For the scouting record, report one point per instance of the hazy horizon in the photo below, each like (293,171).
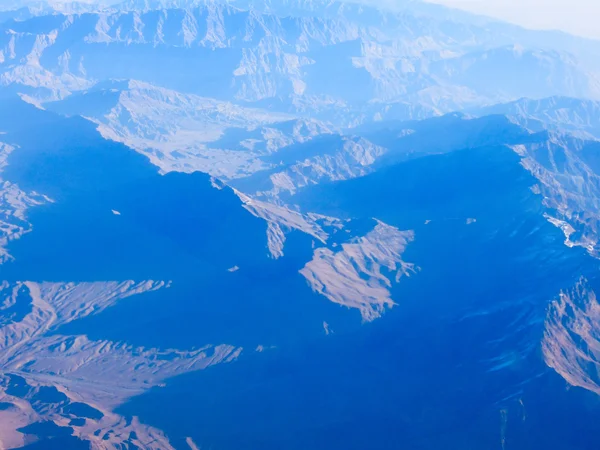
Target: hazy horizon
(576,16)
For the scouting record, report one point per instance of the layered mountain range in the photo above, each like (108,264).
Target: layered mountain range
(296,224)
(407,65)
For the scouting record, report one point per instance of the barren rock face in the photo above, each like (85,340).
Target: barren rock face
(13,207)
(568,177)
(97,375)
(571,343)
(353,276)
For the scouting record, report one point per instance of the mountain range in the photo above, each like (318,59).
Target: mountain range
(296,224)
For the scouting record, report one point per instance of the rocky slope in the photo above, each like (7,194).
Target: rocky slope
(354,276)
(178,132)
(13,207)
(567,170)
(75,382)
(571,338)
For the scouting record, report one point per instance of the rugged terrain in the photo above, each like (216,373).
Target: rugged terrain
(296,224)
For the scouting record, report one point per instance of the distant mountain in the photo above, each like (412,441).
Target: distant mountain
(364,150)
(176,131)
(20,10)
(556,113)
(322,159)
(543,73)
(44,6)
(305,61)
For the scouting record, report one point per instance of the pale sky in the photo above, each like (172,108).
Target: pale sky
(580,17)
